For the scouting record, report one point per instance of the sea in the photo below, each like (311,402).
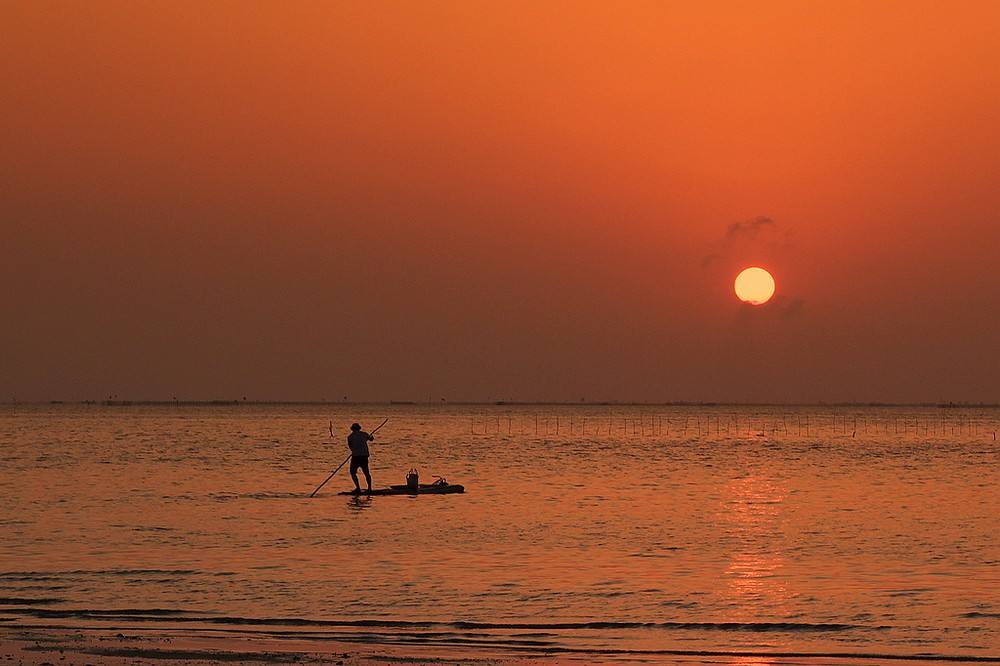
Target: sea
(601,533)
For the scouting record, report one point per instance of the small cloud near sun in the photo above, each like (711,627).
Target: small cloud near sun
(780,307)
(741,245)
(788,307)
(757,232)
(750,228)
(707,260)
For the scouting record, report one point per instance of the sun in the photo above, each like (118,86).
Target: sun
(754,286)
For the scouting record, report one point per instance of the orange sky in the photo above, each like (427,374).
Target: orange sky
(507,200)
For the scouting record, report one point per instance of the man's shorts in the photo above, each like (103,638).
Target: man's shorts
(359,462)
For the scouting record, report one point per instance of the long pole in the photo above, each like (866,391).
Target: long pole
(345,460)
(330,477)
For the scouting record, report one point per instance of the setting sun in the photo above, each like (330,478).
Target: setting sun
(754,285)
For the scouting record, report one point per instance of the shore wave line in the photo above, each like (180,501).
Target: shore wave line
(193,616)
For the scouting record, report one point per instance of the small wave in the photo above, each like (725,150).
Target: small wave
(58,575)
(909,593)
(122,613)
(197,655)
(26,601)
(766,654)
(29,576)
(228,497)
(144,572)
(191,616)
(710,626)
(451,639)
(981,614)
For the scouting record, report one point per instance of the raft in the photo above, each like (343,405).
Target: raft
(422,489)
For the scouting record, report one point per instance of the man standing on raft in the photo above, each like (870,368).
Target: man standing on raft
(357,441)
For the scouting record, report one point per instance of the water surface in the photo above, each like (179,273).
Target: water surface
(619,531)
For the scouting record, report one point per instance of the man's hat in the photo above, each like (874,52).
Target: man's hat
(355,426)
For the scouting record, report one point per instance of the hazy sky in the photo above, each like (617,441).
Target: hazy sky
(474,200)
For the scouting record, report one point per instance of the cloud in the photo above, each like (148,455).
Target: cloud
(761,231)
(779,307)
(758,236)
(788,307)
(707,260)
(749,229)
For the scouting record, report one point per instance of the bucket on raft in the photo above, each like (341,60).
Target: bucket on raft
(412,478)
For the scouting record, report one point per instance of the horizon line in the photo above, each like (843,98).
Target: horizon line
(502,403)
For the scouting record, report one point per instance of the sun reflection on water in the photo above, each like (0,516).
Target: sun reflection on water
(752,512)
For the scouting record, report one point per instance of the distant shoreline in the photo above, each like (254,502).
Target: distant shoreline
(498,403)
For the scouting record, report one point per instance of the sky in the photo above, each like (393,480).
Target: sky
(499,201)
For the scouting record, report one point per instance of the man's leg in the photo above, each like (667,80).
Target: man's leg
(354,474)
(368,475)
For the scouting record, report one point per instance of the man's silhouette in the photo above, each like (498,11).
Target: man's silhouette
(357,441)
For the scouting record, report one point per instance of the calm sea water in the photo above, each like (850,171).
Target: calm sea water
(608,533)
